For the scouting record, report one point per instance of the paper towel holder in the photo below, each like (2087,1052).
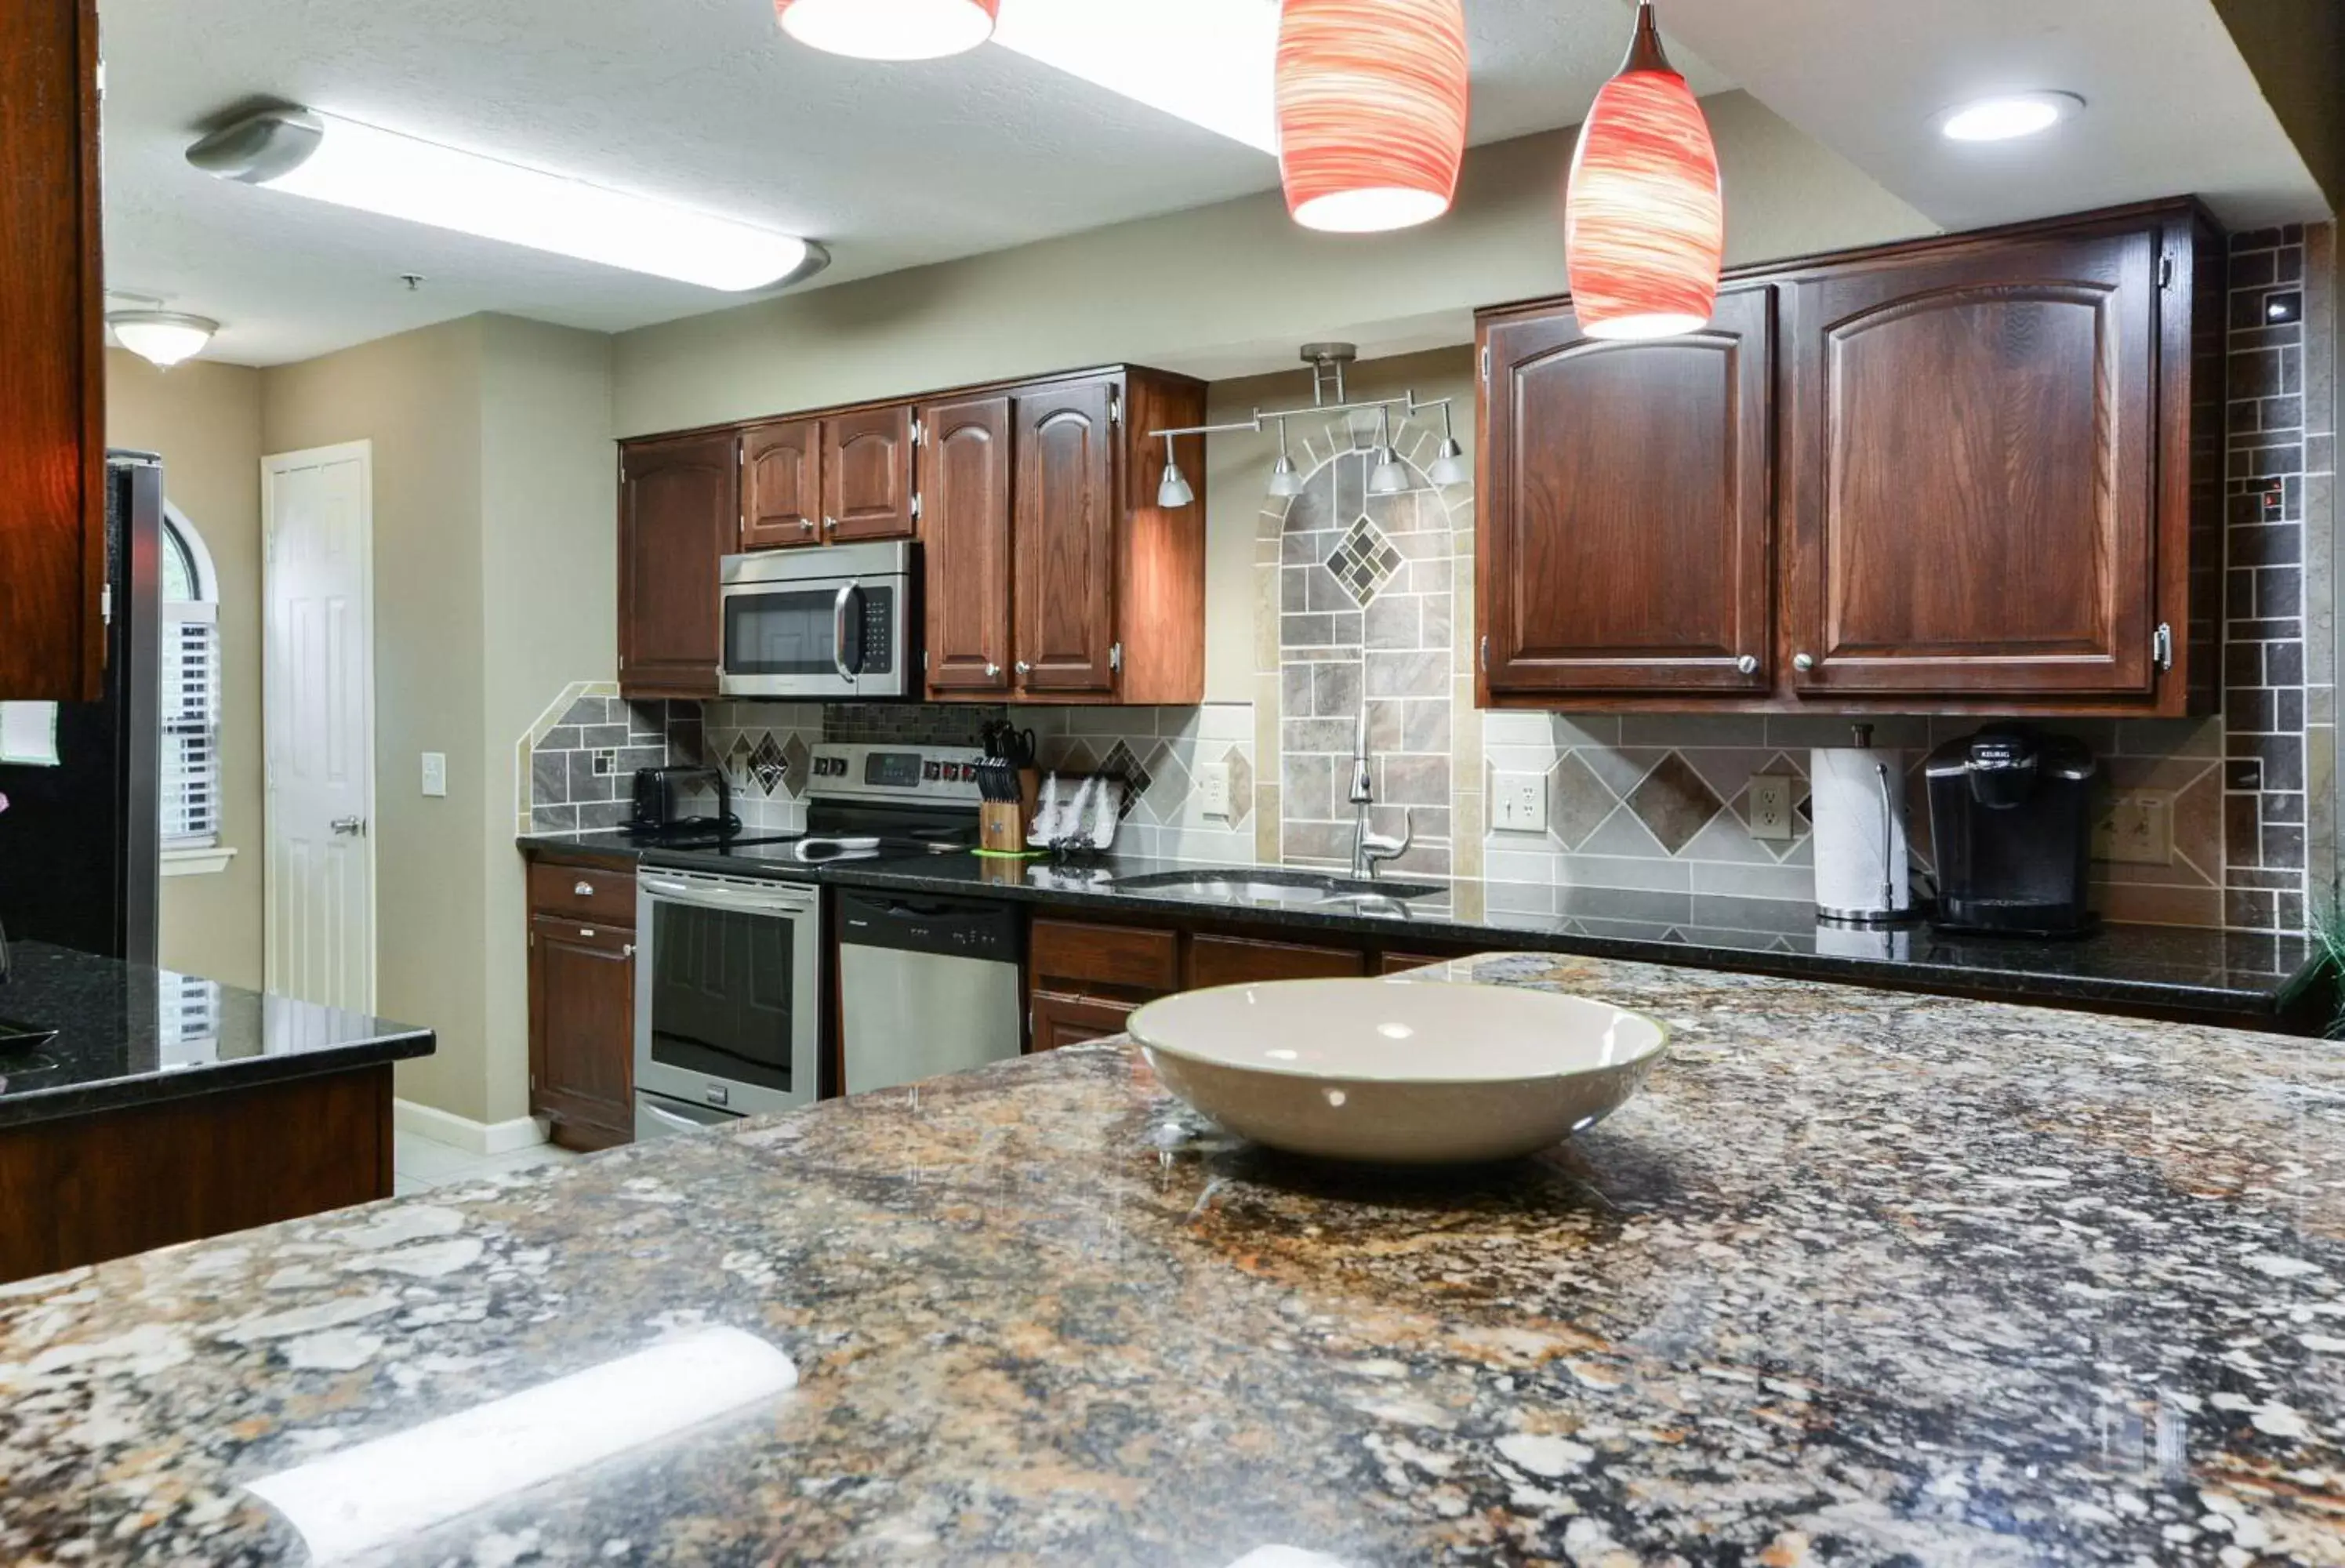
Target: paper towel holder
(1894,905)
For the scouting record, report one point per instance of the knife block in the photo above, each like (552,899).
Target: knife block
(1002,825)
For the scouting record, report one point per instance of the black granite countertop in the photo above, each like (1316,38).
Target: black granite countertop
(113,1048)
(1859,1278)
(2227,974)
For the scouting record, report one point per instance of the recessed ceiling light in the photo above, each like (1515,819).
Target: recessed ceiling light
(1209,62)
(329,158)
(2007,116)
(889,29)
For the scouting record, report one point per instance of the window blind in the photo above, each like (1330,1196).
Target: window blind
(190,704)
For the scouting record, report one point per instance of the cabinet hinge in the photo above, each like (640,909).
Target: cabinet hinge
(1030,1021)
(2161,647)
(915,506)
(1115,656)
(920,433)
(1485,654)
(1486,364)
(532,938)
(1115,408)
(924,659)
(105,604)
(2165,270)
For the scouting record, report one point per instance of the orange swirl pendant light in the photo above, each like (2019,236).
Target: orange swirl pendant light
(889,29)
(1372,100)
(1644,224)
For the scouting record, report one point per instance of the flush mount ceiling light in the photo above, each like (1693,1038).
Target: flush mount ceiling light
(1644,221)
(889,29)
(1372,109)
(163,337)
(2008,116)
(329,158)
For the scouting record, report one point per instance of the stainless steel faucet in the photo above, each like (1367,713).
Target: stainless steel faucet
(1371,850)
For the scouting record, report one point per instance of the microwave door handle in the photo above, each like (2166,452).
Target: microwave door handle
(839,632)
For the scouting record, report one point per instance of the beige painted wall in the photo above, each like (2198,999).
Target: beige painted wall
(1224,290)
(549,511)
(205,420)
(418,397)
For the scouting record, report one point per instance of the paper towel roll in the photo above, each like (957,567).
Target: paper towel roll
(1857,795)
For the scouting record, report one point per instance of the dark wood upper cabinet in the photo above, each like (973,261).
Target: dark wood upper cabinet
(53,366)
(965,518)
(866,474)
(1066,511)
(582,1015)
(1626,505)
(1974,472)
(781,484)
(679,515)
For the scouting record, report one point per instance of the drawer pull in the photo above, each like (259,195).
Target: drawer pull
(585,930)
(584,890)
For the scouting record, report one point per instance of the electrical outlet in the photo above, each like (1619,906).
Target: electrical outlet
(1521,803)
(1214,790)
(2138,829)
(1771,806)
(435,772)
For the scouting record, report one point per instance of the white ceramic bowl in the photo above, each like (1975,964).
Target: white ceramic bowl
(1420,1073)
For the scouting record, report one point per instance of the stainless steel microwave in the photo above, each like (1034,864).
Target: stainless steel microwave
(839,622)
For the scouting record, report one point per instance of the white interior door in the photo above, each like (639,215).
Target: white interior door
(318,709)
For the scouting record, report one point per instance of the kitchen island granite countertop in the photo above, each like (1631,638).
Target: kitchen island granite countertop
(112,1049)
(1861,1278)
(2234,976)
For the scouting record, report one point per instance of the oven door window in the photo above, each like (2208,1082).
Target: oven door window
(785,631)
(724,990)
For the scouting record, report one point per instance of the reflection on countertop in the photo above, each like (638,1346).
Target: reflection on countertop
(1861,1277)
(131,1033)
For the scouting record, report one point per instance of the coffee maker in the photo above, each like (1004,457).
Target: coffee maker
(2011,829)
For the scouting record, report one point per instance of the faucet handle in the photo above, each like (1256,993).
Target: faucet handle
(1375,847)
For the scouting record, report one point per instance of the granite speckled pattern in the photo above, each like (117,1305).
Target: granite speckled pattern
(1862,1277)
(115,1045)
(2230,974)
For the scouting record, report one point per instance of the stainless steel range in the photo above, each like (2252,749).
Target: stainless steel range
(730,982)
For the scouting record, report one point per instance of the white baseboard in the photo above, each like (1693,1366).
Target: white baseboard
(462,1132)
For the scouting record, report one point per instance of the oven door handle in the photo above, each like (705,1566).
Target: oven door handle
(779,902)
(669,1117)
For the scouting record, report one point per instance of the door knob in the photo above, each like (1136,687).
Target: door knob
(992,669)
(1024,668)
(353,826)
(584,890)
(830,524)
(1803,662)
(1748,664)
(806,525)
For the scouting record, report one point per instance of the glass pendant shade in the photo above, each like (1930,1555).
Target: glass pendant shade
(1644,222)
(162,337)
(1372,105)
(889,29)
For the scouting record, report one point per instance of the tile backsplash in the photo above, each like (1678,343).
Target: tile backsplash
(1365,603)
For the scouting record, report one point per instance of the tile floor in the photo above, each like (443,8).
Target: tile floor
(419,1163)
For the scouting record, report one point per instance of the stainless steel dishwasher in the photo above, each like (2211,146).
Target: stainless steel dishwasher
(926,987)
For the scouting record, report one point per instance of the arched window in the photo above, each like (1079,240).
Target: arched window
(190,693)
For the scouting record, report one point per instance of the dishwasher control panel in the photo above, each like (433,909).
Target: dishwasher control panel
(948,927)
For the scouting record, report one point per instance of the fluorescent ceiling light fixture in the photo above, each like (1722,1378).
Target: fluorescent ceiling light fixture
(329,158)
(364,1498)
(2008,116)
(1213,62)
(163,337)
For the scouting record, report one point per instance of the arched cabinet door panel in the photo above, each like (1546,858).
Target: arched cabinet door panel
(866,474)
(1626,510)
(1064,473)
(965,516)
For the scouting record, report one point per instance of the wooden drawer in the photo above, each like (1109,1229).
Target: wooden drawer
(1402,962)
(596,894)
(1238,960)
(1063,1020)
(1127,956)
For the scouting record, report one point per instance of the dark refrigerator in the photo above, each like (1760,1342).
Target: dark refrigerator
(80,842)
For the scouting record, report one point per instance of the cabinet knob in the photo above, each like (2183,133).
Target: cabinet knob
(806,525)
(1024,668)
(830,525)
(584,890)
(1748,664)
(992,669)
(1803,662)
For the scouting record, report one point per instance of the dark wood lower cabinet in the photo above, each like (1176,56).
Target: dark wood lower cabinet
(82,1189)
(1061,1019)
(582,1021)
(1244,960)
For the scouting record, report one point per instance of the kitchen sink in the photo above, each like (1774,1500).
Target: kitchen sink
(1269,885)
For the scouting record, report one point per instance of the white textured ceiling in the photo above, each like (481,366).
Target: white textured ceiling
(701,102)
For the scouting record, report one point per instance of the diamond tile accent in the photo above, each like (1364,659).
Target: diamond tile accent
(1364,560)
(1577,800)
(1168,790)
(1240,785)
(793,759)
(1121,763)
(1674,803)
(767,766)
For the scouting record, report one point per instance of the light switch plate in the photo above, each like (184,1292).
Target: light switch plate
(1771,806)
(1213,789)
(2138,829)
(1521,806)
(435,772)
